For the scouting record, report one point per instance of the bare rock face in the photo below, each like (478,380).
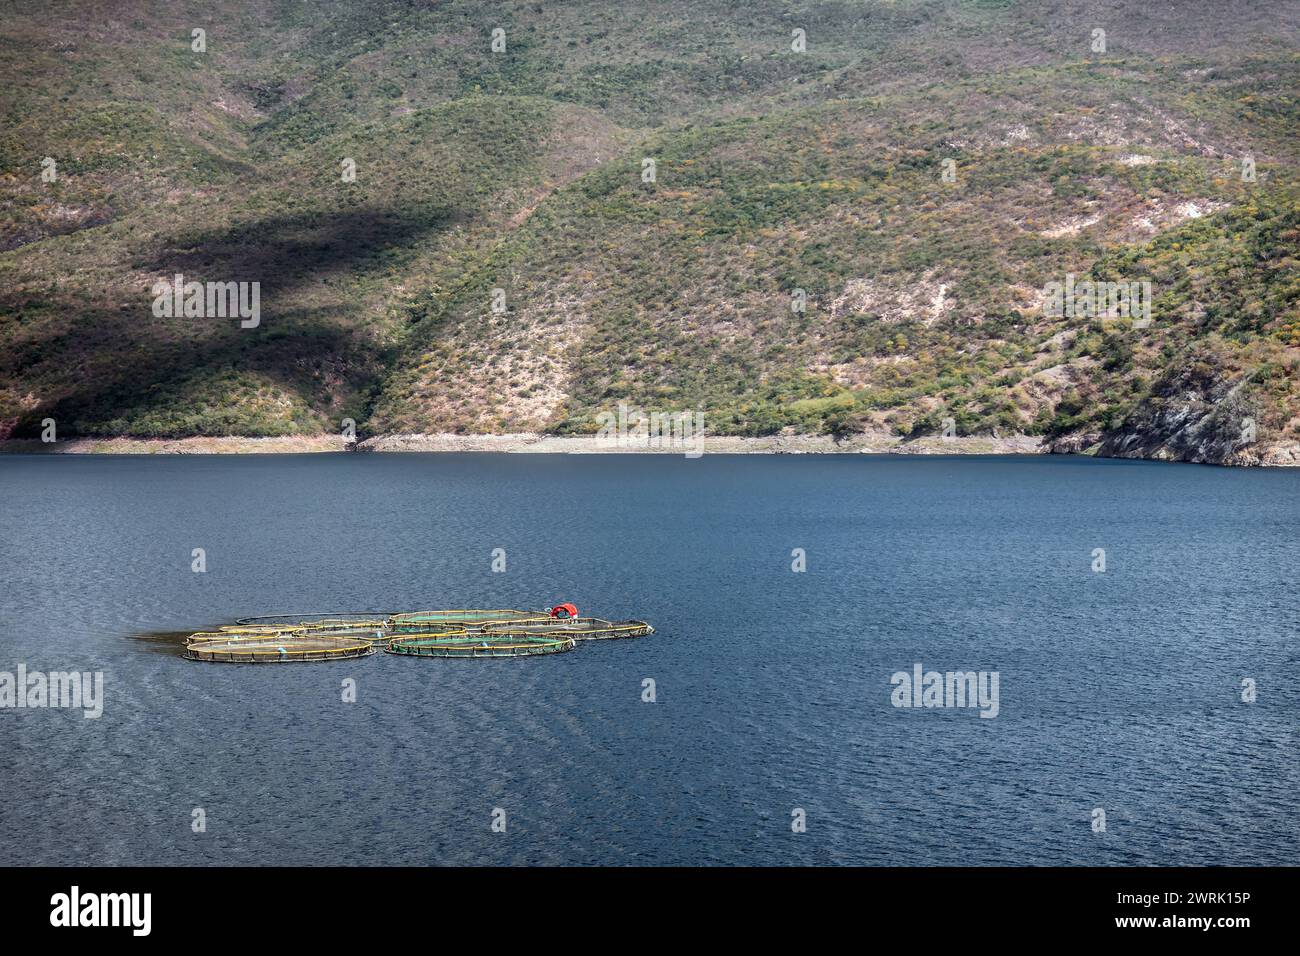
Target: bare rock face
(1075,444)
(1196,414)
(1272,455)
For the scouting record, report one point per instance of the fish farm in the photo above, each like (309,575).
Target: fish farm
(465,634)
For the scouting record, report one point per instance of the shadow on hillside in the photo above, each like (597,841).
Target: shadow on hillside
(285,251)
(112,360)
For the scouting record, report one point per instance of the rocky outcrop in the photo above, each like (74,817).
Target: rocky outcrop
(1076,444)
(1197,413)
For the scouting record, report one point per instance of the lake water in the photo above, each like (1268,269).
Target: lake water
(1119,690)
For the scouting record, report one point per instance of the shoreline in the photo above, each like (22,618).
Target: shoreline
(527,443)
(1275,455)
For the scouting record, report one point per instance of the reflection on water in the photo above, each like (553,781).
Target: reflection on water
(163,642)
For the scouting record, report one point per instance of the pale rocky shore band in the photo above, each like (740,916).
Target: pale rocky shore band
(1282,454)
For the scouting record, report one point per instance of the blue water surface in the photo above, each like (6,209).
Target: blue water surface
(1119,691)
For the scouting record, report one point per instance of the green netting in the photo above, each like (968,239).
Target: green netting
(447,644)
(578,628)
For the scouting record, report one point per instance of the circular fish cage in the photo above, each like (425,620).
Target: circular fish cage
(274,648)
(341,625)
(424,620)
(464,645)
(298,620)
(578,628)
(236,632)
(377,632)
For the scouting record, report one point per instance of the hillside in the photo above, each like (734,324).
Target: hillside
(778,174)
